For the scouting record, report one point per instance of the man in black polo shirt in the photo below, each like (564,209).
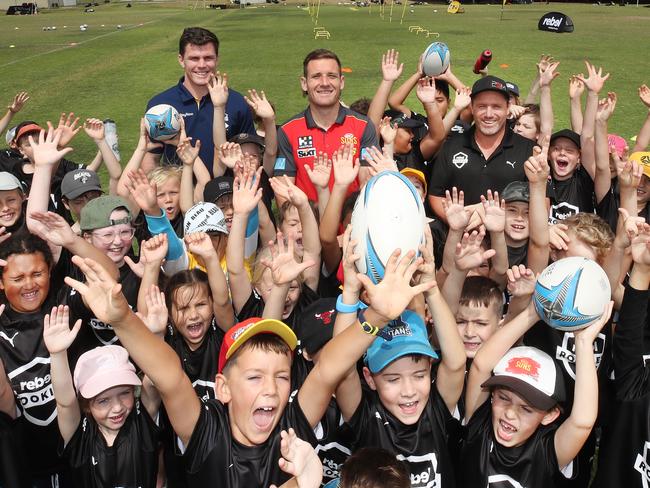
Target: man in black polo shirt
(488,156)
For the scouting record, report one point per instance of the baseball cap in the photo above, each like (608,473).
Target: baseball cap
(315,326)
(25,128)
(409,336)
(9,136)
(402,120)
(205,217)
(642,158)
(569,134)
(239,333)
(512,88)
(618,143)
(78,182)
(516,191)
(490,83)
(9,182)
(102,368)
(418,174)
(218,187)
(530,373)
(97,213)
(245,138)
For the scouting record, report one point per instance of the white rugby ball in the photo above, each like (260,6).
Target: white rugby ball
(436,59)
(571,293)
(163,122)
(387,215)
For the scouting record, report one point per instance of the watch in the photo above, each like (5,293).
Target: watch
(370,329)
(344,307)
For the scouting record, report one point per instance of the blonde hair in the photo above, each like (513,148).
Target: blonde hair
(160,174)
(593,231)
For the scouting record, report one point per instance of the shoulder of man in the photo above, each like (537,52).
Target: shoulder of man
(293,120)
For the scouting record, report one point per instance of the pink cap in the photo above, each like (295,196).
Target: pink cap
(618,143)
(102,368)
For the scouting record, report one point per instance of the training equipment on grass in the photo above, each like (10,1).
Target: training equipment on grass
(387,215)
(555,22)
(571,293)
(482,61)
(436,59)
(163,122)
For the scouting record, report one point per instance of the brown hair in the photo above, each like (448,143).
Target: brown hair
(319,54)
(533,109)
(374,467)
(199,37)
(479,290)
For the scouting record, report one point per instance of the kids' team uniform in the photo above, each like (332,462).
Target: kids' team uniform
(13,472)
(484,462)
(624,456)
(132,460)
(572,196)
(427,447)
(214,458)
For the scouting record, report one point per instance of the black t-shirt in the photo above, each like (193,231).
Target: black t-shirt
(142,230)
(413,159)
(572,196)
(517,255)
(460,163)
(254,306)
(486,463)
(131,462)
(426,446)
(214,458)
(13,469)
(624,457)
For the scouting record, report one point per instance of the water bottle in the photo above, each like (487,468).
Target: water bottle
(110,134)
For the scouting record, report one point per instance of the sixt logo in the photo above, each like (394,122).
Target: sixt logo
(552,22)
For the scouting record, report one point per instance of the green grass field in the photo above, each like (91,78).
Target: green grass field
(106,72)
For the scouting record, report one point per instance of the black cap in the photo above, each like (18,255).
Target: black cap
(403,120)
(490,83)
(512,88)
(516,191)
(218,187)
(245,138)
(315,326)
(569,134)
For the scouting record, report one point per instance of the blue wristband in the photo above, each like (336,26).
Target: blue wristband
(344,307)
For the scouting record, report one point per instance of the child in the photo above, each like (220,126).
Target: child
(511,434)
(372,467)
(12,199)
(236,442)
(109,437)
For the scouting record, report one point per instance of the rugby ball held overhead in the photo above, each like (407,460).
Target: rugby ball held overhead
(571,293)
(436,59)
(163,122)
(387,215)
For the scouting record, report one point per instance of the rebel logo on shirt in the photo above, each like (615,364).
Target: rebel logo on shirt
(423,469)
(502,481)
(33,386)
(332,455)
(460,159)
(566,353)
(642,465)
(562,211)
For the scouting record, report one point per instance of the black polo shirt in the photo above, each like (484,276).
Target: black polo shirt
(460,163)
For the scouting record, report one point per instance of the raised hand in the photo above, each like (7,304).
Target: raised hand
(67,128)
(230,154)
(200,244)
(379,160)
(186,152)
(536,167)
(218,89)
(157,313)
(283,265)
(454,207)
(391,69)
(544,62)
(469,254)
(628,172)
(590,332)
(426,90)
(94,128)
(595,80)
(154,250)
(101,293)
(46,150)
(247,164)
(300,460)
(515,111)
(387,130)
(548,74)
(463,98)
(18,102)
(287,190)
(494,218)
(641,246)
(259,104)
(427,270)
(390,297)
(143,192)
(349,259)
(644,95)
(57,334)
(521,281)
(558,237)
(246,192)
(606,107)
(53,228)
(576,86)
(632,224)
(320,173)
(344,165)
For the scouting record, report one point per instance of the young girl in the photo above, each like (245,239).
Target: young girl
(108,434)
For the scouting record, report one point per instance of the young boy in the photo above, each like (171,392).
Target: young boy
(12,199)
(236,442)
(511,434)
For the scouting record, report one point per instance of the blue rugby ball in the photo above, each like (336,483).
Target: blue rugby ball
(436,59)
(163,122)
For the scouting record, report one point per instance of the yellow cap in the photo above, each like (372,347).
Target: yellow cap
(418,174)
(642,158)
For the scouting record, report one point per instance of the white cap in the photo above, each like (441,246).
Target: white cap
(205,217)
(9,182)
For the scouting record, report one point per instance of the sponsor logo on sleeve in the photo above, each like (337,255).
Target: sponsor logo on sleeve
(424,470)
(460,159)
(280,164)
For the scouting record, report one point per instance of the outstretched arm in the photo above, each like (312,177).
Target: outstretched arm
(12,109)
(264,110)
(576,88)
(537,171)
(643,138)
(218,88)
(391,70)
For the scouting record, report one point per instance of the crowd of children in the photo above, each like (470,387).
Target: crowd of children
(200,320)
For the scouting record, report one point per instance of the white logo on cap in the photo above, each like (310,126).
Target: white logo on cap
(83,176)
(460,159)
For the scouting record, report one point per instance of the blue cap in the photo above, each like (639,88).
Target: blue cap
(333,483)
(409,337)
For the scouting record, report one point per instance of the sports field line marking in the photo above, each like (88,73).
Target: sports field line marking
(68,46)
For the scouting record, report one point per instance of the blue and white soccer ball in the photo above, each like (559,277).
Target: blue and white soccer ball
(387,215)
(163,122)
(571,293)
(436,59)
